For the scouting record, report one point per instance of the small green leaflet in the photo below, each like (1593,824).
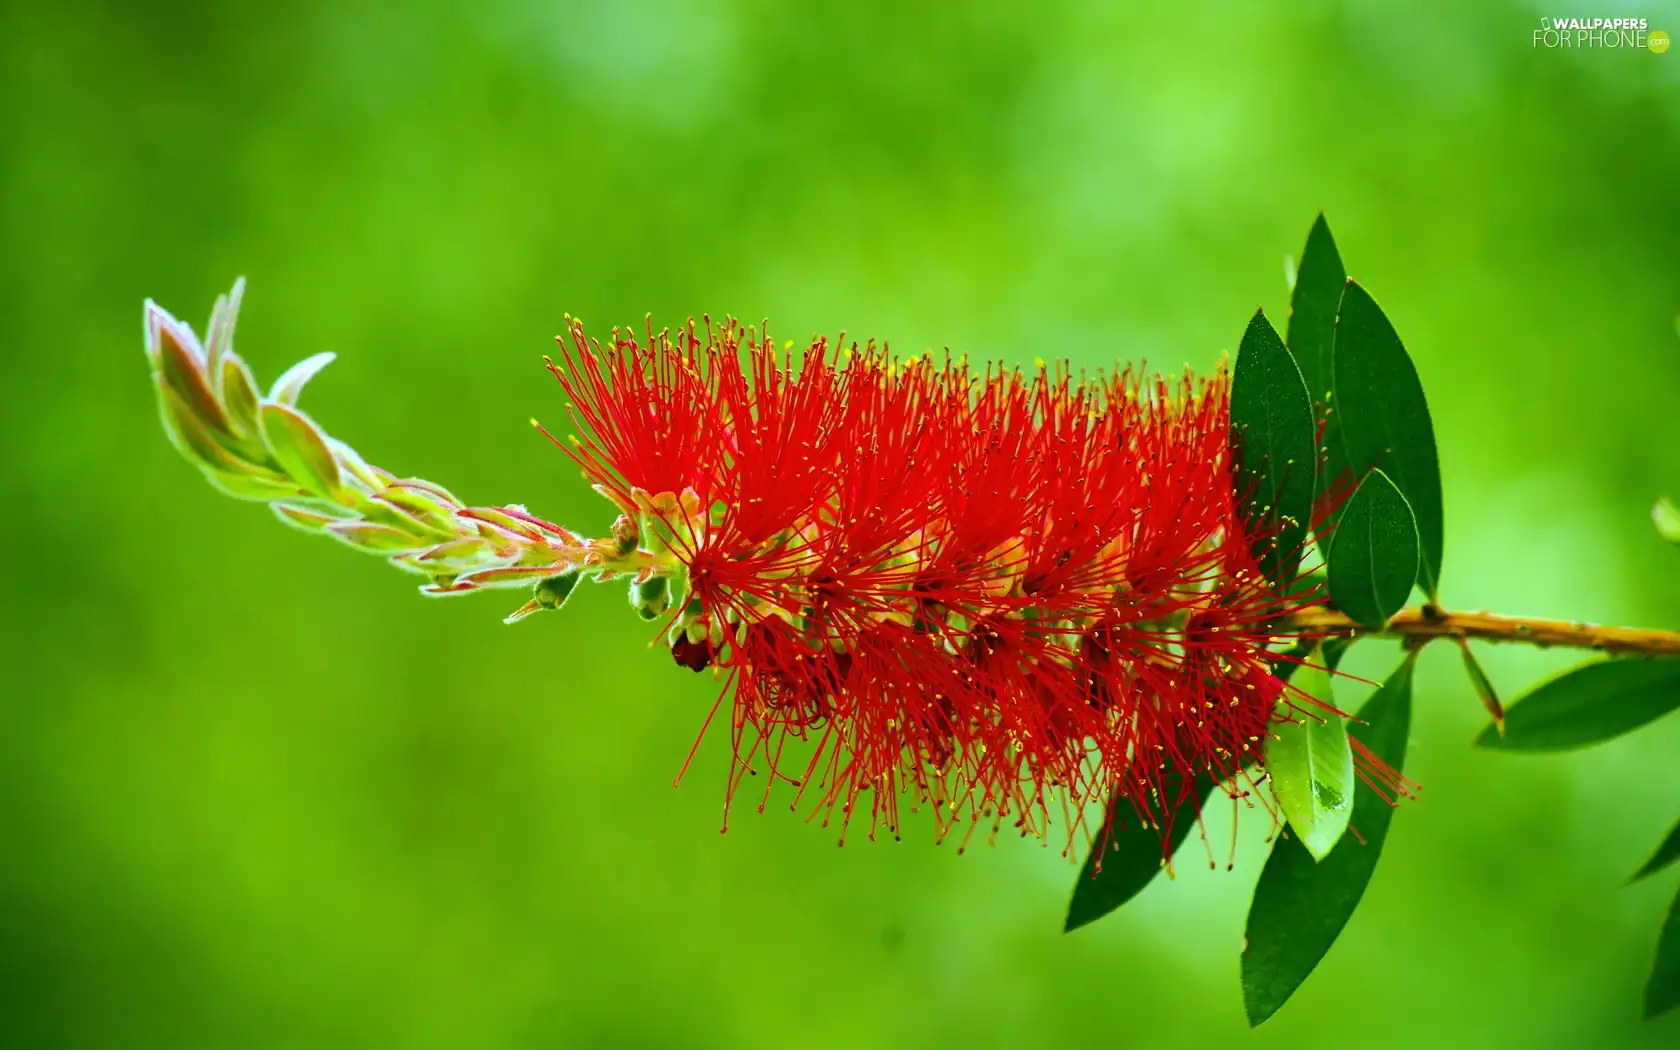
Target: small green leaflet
(1132,860)
(1300,906)
(1666,854)
(1587,705)
(1312,309)
(299,447)
(1273,438)
(1662,991)
(1374,553)
(1311,765)
(1384,419)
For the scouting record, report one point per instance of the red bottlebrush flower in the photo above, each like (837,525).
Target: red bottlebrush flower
(992,592)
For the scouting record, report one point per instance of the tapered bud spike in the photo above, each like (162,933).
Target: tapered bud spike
(265,449)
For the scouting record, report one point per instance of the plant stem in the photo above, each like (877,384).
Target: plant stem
(1421,625)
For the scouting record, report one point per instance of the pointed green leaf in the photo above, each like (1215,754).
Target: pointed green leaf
(371,536)
(438,493)
(420,504)
(226,470)
(301,449)
(177,359)
(1315,299)
(240,397)
(1311,763)
(218,337)
(1300,906)
(373,508)
(189,435)
(1373,552)
(1662,991)
(309,519)
(290,385)
(352,464)
(1384,418)
(1274,439)
(1132,860)
(1666,854)
(250,484)
(1312,309)
(1592,703)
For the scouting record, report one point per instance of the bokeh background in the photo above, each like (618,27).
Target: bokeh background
(255,793)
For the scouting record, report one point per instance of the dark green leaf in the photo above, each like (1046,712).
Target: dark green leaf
(1311,765)
(1589,704)
(1274,448)
(1384,418)
(1662,991)
(1133,858)
(1316,299)
(1312,309)
(1666,854)
(1335,648)
(1301,906)
(1374,553)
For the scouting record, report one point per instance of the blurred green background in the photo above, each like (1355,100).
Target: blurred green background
(255,793)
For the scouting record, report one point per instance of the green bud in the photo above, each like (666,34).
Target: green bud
(651,598)
(626,534)
(679,588)
(552,592)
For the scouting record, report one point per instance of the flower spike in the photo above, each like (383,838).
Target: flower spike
(266,449)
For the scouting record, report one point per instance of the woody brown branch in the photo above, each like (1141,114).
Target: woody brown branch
(1427,623)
